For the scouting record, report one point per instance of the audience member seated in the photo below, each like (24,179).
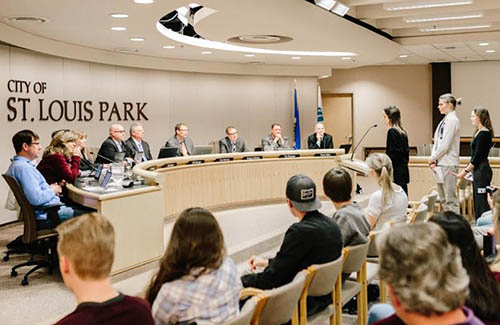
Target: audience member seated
(38,192)
(112,145)
(232,142)
(53,134)
(319,139)
(86,252)
(181,141)
(81,142)
(390,202)
(275,141)
(136,143)
(314,239)
(196,280)
(426,281)
(495,267)
(61,159)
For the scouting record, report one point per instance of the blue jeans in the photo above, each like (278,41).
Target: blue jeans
(379,312)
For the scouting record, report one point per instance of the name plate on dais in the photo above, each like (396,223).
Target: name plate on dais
(290,155)
(195,162)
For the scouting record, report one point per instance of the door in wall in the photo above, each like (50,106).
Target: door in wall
(337,113)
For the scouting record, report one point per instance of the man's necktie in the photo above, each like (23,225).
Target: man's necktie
(183,149)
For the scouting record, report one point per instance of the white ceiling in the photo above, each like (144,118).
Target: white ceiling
(82,29)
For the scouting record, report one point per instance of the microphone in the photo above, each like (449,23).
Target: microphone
(364,135)
(106,158)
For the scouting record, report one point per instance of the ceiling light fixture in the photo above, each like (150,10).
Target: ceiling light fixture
(403,56)
(340,9)
(27,19)
(144,2)
(169,47)
(249,55)
(490,51)
(117,15)
(325,4)
(450,28)
(296,58)
(137,39)
(419,4)
(206,52)
(346,58)
(484,44)
(441,18)
(118,28)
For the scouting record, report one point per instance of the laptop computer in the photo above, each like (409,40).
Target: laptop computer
(202,150)
(168,152)
(346,147)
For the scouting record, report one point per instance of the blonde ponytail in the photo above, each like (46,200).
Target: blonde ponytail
(382,165)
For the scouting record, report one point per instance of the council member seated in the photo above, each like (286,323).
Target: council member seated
(113,145)
(181,141)
(275,141)
(86,251)
(81,142)
(232,143)
(314,239)
(61,160)
(320,139)
(136,143)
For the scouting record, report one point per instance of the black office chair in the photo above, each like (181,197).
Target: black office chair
(36,242)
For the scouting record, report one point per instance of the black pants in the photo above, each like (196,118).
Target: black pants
(482,175)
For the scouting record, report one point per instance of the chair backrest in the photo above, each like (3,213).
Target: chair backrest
(354,257)
(27,210)
(421,213)
(421,205)
(243,318)
(431,205)
(424,150)
(494,152)
(282,302)
(325,277)
(372,248)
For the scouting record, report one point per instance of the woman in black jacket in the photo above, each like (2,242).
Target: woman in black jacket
(480,148)
(397,146)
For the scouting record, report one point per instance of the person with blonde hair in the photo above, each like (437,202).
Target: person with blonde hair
(61,159)
(86,252)
(445,154)
(479,165)
(495,267)
(81,142)
(390,202)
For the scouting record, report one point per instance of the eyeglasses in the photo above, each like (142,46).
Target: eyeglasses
(232,133)
(122,131)
(183,129)
(35,143)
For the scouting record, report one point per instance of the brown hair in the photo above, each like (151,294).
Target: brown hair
(394,116)
(484,117)
(196,245)
(58,143)
(88,241)
(337,184)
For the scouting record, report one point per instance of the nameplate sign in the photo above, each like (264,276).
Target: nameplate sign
(152,168)
(224,159)
(327,154)
(290,155)
(171,164)
(195,162)
(253,158)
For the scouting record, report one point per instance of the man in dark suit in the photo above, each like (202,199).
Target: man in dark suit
(181,141)
(319,139)
(136,143)
(113,145)
(232,143)
(314,239)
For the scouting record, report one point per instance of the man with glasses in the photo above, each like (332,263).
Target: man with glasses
(112,145)
(181,141)
(231,143)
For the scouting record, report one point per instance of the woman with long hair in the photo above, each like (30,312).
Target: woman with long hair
(81,142)
(484,290)
(390,202)
(495,267)
(479,165)
(397,146)
(61,159)
(196,280)
(444,158)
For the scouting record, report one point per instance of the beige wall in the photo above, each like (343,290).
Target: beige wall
(207,103)
(373,88)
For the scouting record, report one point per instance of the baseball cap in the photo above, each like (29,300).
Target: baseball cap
(301,190)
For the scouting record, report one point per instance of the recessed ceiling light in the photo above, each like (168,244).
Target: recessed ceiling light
(118,28)
(439,29)
(27,19)
(325,4)
(440,18)
(144,2)
(403,56)
(484,44)
(169,47)
(117,15)
(126,50)
(346,58)
(490,51)
(296,58)
(137,39)
(249,55)
(419,4)
(206,52)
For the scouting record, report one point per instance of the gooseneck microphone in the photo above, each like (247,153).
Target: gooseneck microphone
(106,158)
(362,138)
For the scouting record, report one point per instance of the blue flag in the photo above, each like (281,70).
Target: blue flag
(296,120)
(319,115)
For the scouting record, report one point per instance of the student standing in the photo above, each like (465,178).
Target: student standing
(397,146)
(481,170)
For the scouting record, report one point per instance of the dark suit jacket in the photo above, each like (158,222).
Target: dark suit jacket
(316,239)
(130,143)
(109,149)
(397,149)
(226,147)
(326,142)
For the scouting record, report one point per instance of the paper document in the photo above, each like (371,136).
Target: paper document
(438,174)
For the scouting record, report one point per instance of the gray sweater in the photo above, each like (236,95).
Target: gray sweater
(353,224)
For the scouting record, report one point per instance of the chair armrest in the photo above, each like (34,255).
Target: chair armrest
(250,292)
